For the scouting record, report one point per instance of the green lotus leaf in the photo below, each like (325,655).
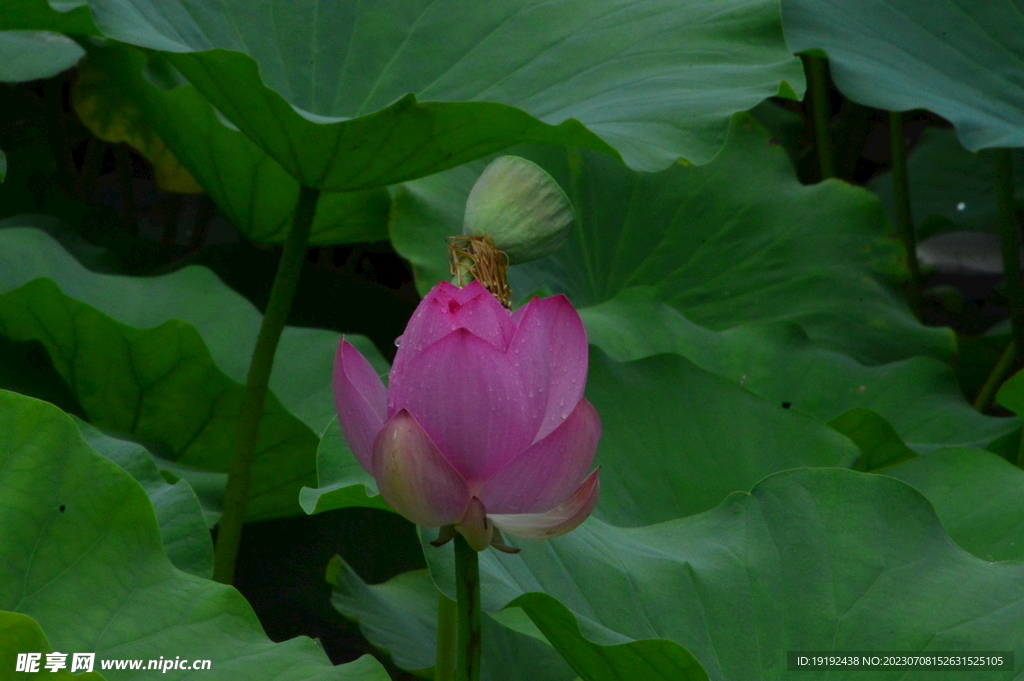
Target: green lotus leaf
(349,96)
(157,359)
(227,322)
(32,55)
(183,529)
(919,396)
(809,559)
(977,496)
(81,555)
(678,440)
(250,188)
(961,60)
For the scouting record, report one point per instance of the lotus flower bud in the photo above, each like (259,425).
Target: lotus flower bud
(483,425)
(521,207)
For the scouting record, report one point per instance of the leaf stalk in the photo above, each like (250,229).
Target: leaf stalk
(904,216)
(286,282)
(821,112)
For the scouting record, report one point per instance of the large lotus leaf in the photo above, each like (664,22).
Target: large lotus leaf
(677,440)
(227,322)
(250,188)
(977,495)
(137,355)
(31,55)
(739,241)
(961,59)
(21,634)
(810,559)
(918,396)
(400,89)
(81,554)
(400,616)
(183,530)
(949,183)
(159,385)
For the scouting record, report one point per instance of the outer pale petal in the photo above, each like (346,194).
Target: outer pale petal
(447,308)
(361,400)
(551,344)
(550,470)
(414,477)
(475,526)
(469,398)
(556,522)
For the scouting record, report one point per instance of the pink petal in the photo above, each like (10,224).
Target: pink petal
(469,398)
(361,400)
(551,344)
(414,477)
(556,522)
(447,308)
(549,471)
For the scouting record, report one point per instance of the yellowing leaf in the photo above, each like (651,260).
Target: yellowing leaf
(113,117)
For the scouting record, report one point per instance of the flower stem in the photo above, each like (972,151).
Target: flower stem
(467,587)
(444,667)
(1009,237)
(984,399)
(904,217)
(821,112)
(236,496)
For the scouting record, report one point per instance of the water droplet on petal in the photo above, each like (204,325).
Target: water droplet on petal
(398,341)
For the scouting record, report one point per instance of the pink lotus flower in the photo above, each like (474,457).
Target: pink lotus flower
(484,419)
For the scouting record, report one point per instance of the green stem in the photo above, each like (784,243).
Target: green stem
(821,112)
(467,587)
(444,667)
(904,218)
(984,399)
(236,496)
(1009,237)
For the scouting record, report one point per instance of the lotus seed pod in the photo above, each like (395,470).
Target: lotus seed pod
(521,207)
